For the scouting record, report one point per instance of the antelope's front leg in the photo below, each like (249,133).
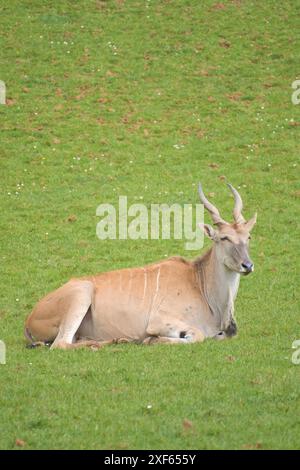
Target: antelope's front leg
(175,333)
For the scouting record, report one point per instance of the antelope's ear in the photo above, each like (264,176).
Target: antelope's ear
(209,231)
(251,222)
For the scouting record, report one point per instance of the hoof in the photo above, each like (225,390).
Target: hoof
(95,346)
(121,341)
(37,344)
(150,340)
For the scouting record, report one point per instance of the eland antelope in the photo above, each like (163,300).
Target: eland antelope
(171,301)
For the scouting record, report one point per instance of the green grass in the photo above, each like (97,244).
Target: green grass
(119,84)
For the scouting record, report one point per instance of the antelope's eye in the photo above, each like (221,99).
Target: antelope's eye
(225,238)
(249,238)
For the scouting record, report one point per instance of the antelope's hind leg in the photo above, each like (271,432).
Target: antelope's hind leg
(76,303)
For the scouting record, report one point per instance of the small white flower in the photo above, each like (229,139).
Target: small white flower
(17,300)
(149,407)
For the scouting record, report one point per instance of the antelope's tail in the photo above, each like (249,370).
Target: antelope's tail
(28,335)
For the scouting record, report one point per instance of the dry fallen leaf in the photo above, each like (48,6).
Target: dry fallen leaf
(103,99)
(234,96)
(213,165)
(109,73)
(230,358)
(72,218)
(257,445)
(187,424)
(224,43)
(200,134)
(10,102)
(218,6)
(20,443)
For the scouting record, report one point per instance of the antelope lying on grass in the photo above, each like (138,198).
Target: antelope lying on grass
(172,301)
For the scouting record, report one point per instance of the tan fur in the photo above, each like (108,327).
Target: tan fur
(172,301)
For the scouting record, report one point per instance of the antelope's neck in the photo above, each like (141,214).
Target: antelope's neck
(221,286)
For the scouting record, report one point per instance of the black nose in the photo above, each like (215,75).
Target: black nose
(248,266)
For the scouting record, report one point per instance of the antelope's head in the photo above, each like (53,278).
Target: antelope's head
(231,239)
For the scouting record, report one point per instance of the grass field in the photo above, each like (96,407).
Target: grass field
(144,99)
